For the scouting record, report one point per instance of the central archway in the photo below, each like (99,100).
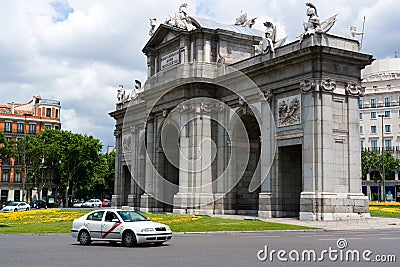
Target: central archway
(241,199)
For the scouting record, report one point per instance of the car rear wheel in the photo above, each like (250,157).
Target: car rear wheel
(84,238)
(129,239)
(15,210)
(27,209)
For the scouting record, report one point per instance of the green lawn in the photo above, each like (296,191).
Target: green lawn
(212,224)
(392,211)
(59,222)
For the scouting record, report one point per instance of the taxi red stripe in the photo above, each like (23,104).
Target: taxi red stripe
(111,229)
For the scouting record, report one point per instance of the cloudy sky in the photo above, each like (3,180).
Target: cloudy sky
(78,51)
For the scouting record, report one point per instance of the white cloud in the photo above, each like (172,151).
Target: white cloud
(80,51)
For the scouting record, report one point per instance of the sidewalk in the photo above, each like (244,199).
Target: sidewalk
(361,224)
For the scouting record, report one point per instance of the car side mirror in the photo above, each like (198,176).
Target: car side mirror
(115,220)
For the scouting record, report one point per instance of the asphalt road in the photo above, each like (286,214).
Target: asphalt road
(212,249)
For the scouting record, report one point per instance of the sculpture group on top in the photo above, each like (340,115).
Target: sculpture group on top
(181,20)
(243,21)
(125,95)
(269,42)
(314,25)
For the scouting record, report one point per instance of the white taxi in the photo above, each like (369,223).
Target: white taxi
(118,225)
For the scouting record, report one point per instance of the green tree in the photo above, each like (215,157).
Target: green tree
(372,160)
(79,156)
(7,147)
(100,184)
(74,157)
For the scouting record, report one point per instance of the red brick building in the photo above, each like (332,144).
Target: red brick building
(16,120)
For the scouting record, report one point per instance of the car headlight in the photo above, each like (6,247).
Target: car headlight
(148,230)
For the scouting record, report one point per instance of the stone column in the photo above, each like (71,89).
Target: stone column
(146,200)
(116,197)
(268,146)
(331,168)
(195,176)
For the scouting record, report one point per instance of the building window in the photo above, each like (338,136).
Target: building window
(56,127)
(20,127)
(373,129)
(4,196)
(388,144)
(47,127)
(361,116)
(48,112)
(7,127)
(32,128)
(5,177)
(388,128)
(57,113)
(17,195)
(387,113)
(389,86)
(373,103)
(360,103)
(374,145)
(17,177)
(362,145)
(387,101)
(373,115)
(361,130)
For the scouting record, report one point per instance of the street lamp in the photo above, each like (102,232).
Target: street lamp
(24,179)
(383,193)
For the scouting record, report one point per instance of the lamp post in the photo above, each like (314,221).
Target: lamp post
(383,193)
(24,178)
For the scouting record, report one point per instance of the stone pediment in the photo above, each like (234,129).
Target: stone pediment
(163,34)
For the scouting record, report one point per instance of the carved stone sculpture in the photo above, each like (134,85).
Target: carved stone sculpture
(289,111)
(125,96)
(269,43)
(181,20)
(243,21)
(353,32)
(314,25)
(153,24)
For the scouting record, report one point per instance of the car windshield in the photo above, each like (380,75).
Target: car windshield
(131,216)
(91,200)
(13,204)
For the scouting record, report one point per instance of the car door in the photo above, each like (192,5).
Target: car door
(110,226)
(93,223)
(20,206)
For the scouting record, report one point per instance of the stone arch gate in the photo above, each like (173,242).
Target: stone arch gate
(301,103)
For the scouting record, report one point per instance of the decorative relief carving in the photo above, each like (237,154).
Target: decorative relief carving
(202,107)
(315,85)
(289,111)
(308,85)
(126,143)
(354,89)
(266,96)
(328,85)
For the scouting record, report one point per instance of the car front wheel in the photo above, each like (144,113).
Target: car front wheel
(129,239)
(84,238)
(27,209)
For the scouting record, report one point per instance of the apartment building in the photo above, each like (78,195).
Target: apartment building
(380,118)
(16,121)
